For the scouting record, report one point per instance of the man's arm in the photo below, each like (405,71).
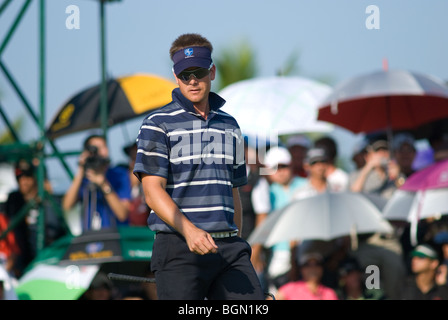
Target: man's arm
(198,240)
(71,196)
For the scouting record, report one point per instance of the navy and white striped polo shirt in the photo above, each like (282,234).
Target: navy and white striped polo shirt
(202,161)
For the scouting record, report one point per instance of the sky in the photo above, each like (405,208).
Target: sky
(331,37)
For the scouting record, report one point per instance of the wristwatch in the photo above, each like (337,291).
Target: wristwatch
(105,187)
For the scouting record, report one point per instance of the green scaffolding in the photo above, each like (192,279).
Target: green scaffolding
(20,149)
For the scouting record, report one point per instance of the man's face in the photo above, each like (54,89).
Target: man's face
(101,145)
(419,264)
(196,90)
(405,155)
(317,169)
(282,174)
(26,184)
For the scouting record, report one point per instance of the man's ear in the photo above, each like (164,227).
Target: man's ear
(176,78)
(213,72)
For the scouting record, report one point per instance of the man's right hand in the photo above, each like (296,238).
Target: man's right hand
(200,241)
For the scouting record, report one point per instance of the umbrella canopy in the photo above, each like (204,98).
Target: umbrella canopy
(79,258)
(399,206)
(391,100)
(322,217)
(413,206)
(49,282)
(284,105)
(423,195)
(434,176)
(126,243)
(110,245)
(127,98)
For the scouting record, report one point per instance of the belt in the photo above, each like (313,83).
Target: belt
(220,235)
(216,235)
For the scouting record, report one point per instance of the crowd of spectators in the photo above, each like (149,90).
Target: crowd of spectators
(109,196)
(338,270)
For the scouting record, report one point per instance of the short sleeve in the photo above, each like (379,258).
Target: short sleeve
(152,150)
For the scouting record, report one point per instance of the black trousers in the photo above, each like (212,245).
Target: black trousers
(183,275)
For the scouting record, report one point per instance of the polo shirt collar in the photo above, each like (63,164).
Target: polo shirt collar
(215,101)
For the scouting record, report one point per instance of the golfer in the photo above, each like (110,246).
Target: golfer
(190,161)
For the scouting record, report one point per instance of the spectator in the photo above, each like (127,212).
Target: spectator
(103,190)
(441,239)
(283,185)
(316,165)
(298,146)
(254,195)
(25,232)
(374,176)
(337,178)
(255,206)
(138,209)
(9,250)
(310,286)
(352,285)
(422,285)
(404,153)
(389,261)
(359,154)
(439,143)
(101,288)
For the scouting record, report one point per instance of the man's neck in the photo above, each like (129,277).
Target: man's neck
(425,281)
(318,183)
(202,108)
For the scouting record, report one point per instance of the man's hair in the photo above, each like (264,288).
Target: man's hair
(189,40)
(329,145)
(92,136)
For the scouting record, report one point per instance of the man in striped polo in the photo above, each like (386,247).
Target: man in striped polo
(190,160)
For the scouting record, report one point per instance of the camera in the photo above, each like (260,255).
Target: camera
(94,161)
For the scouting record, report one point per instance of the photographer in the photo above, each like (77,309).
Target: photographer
(103,191)
(374,175)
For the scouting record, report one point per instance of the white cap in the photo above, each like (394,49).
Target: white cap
(276,156)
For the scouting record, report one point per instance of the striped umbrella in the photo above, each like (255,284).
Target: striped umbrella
(127,97)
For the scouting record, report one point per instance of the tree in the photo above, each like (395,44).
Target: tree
(235,63)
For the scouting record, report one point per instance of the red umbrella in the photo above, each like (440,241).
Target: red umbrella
(390,100)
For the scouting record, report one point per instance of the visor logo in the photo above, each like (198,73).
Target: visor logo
(188,52)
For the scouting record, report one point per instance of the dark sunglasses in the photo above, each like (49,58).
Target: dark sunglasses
(198,73)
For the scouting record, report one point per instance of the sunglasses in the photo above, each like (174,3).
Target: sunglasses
(198,73)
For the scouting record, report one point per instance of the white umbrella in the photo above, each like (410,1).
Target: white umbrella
(284,105)
(410,206)
(399,205)
(325,216)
